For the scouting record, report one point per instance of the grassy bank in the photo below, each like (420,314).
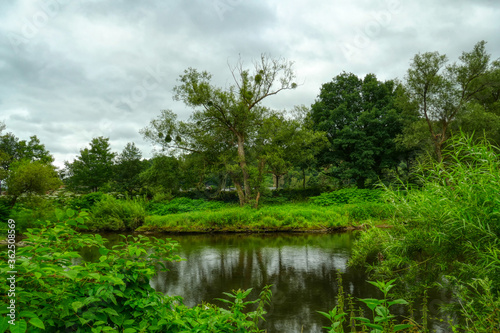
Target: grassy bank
(287,217)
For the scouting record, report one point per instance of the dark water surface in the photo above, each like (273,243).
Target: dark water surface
(301,267)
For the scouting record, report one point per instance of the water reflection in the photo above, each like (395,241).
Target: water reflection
(302,268)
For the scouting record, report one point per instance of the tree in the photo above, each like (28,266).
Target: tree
(93,168)
(361,121)
(12,149)
(163,173)
(128,168)
(442,92)
(31,177)
(230,117)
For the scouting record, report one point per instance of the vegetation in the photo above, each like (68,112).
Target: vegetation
(422,153)
(56,291)
(451,223)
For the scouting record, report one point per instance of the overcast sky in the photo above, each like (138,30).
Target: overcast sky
(72,70)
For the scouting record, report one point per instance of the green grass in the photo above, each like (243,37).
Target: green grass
(289,217)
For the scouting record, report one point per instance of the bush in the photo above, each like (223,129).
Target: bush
(183,205)
(348,196)
(115,214)
(85,201)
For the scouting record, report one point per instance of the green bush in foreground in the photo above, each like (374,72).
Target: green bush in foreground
(57,292)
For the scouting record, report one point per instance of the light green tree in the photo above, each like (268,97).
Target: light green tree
(30,178)
(444,91)
(227,117)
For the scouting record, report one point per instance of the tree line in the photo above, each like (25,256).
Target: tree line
(359,130)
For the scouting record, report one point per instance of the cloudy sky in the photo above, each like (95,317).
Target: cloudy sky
(72,70)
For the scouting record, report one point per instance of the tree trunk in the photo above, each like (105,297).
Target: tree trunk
(241,195)
(277,177)
(303,178)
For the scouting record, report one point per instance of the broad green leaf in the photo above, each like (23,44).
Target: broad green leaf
(371,302)
(4,324)
(129,330)
(27,314)
(103,251)
(70,212)
(402,327)
(76,305)
(37,323)
(20,327)
(398,301)
(376,326)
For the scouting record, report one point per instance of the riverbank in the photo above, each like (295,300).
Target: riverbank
(273,218)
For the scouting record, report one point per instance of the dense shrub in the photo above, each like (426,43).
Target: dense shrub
(348,196)
(117,214)
(182,205)
(85,201)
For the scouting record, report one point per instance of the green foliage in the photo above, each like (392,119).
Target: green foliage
(58,292)
(448,227)
(31,212)
(93,168)
(348,196)
(30,178)
(183,205)
(268,218)
(117,214)
(382,321)
(4,210)
(361,120)
(85,201)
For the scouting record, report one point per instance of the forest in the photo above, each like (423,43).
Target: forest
(418,155)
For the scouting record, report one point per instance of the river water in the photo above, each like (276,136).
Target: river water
(301,267)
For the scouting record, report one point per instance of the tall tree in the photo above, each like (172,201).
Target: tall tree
(93,168)
(442,91)
(229,115)
(361,121)
(128,168)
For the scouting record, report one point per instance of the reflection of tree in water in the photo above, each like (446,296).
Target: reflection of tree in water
(301,267)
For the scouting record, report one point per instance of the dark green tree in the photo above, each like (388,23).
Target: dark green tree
(93,168)
(163,174)
(361,120)
(128,167)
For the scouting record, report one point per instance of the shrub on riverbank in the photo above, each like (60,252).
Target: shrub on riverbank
(116,214)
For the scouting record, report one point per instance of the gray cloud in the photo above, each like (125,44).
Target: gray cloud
(74,70)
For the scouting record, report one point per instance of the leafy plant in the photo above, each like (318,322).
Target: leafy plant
(58,292)
(382,319)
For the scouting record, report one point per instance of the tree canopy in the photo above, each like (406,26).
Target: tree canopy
(361,120)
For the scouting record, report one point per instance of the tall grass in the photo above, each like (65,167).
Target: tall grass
(448,227)
(117,214)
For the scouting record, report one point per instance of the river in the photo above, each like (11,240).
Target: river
(301,267)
